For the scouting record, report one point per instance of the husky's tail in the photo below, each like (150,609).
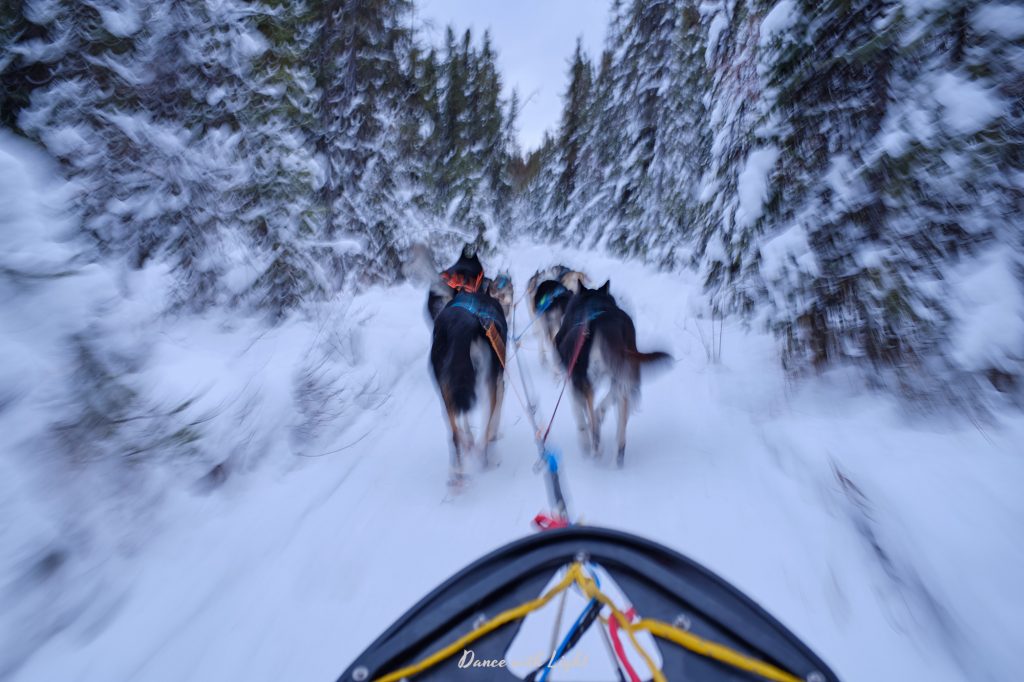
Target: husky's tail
(657,357)
(649,365)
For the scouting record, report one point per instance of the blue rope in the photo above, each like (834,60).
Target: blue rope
(560,651)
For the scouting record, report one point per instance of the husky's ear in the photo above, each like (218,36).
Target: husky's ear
(604,287)
(579,287)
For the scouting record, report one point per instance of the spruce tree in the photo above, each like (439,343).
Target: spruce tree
(647,54)
(574,128)
(731,204)
(364,45)
(279,209)
(24,63)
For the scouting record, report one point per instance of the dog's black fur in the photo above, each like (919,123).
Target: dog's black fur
(461,358)
(608,351)
(557,295)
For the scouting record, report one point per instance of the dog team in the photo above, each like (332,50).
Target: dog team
(591,337)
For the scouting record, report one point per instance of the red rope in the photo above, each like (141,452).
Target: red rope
(620,651)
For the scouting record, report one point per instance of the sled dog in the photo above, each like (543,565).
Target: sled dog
(467,358)
(596,344)
(548,293)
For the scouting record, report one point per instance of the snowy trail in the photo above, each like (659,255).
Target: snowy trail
(910,574)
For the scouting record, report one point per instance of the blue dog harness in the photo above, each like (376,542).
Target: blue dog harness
(488,320)
(469,304)
(501,282)
(547,299)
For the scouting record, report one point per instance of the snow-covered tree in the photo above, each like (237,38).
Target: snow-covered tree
(574,131)
(280,209)
(363,51)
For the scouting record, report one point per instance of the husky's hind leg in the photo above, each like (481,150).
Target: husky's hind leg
(623,405)
(455,474)
(466,434)
(581,407)
(497,395)
(586,420)
(602,407)
(595,424)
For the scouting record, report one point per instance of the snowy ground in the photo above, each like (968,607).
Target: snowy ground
(892,548)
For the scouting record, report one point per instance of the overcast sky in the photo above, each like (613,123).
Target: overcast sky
(534,39)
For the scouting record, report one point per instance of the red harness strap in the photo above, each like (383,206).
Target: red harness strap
(457,281)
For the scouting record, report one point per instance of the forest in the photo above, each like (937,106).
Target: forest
(847,174)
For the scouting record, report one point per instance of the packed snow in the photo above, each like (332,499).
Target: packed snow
(887,545)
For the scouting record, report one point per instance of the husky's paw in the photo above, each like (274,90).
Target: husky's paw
(457,482)
(488,460)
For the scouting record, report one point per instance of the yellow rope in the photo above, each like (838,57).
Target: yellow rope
(589,586)
(505,617)
(710,649)
(575,574)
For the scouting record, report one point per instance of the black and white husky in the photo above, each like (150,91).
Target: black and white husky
(597,344)
(467,357)
(548,293)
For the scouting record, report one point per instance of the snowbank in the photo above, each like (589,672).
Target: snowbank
(113,408)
